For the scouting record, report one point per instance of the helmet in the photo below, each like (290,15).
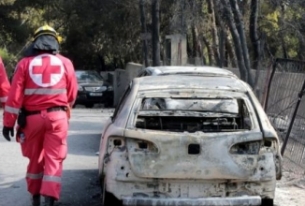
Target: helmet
(46,30)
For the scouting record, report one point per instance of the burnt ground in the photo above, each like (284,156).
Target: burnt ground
(80,186)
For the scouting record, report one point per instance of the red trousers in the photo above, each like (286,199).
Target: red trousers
(45,145)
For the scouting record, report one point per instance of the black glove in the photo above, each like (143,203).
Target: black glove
(7,131)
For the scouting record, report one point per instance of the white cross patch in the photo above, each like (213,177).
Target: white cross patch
(46,70)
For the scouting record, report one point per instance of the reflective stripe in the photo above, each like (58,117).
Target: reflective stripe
(51,178)
(34,176)
(3,99)
(12,110)
(44,91)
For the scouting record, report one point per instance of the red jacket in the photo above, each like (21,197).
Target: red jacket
(40,82)
(4,84)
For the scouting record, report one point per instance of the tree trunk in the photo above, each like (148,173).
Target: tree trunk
(236,40)
(212,7)
(243,43)
(253,33)
(255,44)
(197,47)
(230,52)
(210,52)
(155,9)
(222,48)
(282,33)
(189,45)
(144,31)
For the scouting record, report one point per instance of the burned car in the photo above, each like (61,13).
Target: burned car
(186,70)
(93,89)
(189,140)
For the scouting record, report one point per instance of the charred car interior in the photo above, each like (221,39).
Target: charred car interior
(193,115)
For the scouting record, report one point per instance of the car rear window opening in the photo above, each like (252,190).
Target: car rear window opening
(193,115)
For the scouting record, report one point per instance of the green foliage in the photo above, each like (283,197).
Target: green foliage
(9,59)
(108,32)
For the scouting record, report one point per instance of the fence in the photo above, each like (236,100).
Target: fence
(286,109)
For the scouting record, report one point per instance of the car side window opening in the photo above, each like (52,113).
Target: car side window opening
(193,115)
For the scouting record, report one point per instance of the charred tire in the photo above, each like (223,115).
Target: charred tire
(267,202)
(107,198)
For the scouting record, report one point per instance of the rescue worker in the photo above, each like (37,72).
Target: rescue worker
(43,87)
(4,84)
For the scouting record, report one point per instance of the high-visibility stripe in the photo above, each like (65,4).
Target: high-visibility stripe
(44,91)
(49,178)
(12,110)
(3,99)
(34,176)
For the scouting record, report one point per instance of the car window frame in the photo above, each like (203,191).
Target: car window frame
(248,102)
(121,102)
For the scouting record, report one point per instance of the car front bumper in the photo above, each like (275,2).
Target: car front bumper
(94,97)
(211,201)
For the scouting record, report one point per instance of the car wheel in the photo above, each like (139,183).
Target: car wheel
(108,199)
(89,105)
(267,202)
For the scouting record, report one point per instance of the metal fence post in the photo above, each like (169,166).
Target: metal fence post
(269,85)
(292,119)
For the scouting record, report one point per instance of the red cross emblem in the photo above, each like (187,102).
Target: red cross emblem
(46,70)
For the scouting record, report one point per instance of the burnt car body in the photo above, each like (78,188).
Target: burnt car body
(185,70)
(92,89)
(189,140)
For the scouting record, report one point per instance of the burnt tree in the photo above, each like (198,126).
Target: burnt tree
(144,30)
(155,13)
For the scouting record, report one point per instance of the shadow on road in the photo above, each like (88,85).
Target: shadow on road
(80,188)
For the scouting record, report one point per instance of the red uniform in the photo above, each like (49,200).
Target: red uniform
(42,85)
(4,84)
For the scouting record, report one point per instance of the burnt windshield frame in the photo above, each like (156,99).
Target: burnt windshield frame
(207,121)
(185,110)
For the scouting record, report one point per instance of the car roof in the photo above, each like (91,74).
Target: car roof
(193,82)
(163,70)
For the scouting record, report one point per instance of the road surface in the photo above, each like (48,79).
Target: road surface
(80,186)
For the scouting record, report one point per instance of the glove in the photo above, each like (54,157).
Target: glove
(7,131)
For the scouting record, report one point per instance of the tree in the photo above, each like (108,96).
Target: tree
(144,31)
(155,13)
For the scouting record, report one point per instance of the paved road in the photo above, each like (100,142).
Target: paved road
(80,186)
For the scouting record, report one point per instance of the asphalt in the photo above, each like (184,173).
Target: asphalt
(80,186)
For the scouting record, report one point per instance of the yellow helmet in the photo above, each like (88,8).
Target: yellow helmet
(46,30)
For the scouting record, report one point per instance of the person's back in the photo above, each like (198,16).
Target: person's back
(44,87)
(45,81)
